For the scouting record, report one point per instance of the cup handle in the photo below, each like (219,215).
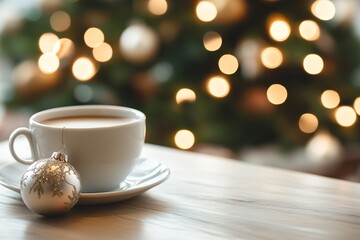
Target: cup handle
(27,133)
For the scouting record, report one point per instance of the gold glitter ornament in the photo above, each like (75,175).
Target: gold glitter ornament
(50,186)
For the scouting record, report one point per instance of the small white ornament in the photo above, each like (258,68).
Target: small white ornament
(138,43)
(50,186)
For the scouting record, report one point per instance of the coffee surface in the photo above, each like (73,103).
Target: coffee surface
(86,121)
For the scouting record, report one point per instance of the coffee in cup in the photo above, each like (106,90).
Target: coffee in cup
(86,121)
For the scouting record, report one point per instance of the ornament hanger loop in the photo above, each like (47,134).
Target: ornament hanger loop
(62,146)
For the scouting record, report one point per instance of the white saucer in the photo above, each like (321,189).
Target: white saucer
(147,174)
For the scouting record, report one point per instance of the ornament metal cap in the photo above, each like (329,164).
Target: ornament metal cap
(59,156)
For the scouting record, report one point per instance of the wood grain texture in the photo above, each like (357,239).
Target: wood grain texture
(206,197)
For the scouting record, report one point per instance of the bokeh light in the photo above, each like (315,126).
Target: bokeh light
(67,48)
(357,105)
(157,7)
(206,11)
(48,63)
(308,123)
(185,95)
(102,53)
(309,30)
(83,69)
(184,139)
(279,30)
(323,9)
(49,43)
(271,57)
(330,99)
(60,21)
(345,116)
(228,64)
(212,41)
(276,94)
(313,64)
(218,87)
(94,37)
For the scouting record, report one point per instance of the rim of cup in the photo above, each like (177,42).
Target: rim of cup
(81,110)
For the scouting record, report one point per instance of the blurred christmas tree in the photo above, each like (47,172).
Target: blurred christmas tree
(226,72)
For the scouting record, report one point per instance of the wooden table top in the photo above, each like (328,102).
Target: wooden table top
(206,197)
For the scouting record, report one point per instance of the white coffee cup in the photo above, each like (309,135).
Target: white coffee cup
(103,152)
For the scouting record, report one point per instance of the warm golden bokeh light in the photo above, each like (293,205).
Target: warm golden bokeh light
(330,99)
(308,123)
(228,64)
(309,30)
(60,21)
(102,53)
(157,7)
(279,30)
(48,63)
(276,94)
(345,116)
(184,139)
(218,87)
(185,95)
(313,64)
(271,57)
(323,9)
(357,105)
(212,41)
(94,37)
(206,11)
(48,43)
(83,69)
(67,48)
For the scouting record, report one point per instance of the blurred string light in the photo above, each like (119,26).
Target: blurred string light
(60,21)
(157,7)
(218,86)
(308,123)
(271,57)
(48,63)
(357,105)
(206,11)
(309,30)
(330,99)
(228,64)
(94,37)
(49,42)
(83,69)
(276,94)
(345,116)
(67,48)
(184,139)
(313,64)
(185,95)
(212,41)
(323,9)
(279,28)
(103,52)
